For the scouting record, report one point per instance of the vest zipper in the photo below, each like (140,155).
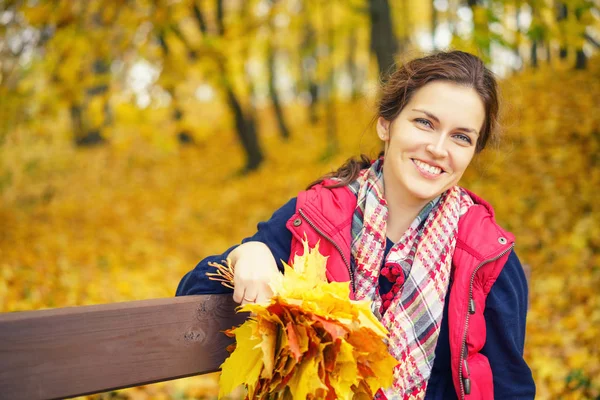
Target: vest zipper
(463,349)
(330,240)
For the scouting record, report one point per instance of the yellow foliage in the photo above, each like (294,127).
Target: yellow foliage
(126,221)
(245,364)
(308,340)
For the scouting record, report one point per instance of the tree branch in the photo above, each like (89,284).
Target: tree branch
(592,41)
(199,16)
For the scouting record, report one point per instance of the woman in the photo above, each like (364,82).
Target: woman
(442,275)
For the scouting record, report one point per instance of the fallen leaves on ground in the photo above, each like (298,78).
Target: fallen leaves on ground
(126,222)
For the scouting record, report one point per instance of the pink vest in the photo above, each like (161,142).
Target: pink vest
(482,248)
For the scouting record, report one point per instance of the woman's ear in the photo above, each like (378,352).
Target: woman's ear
(383,128)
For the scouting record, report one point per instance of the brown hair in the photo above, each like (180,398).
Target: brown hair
(453,66)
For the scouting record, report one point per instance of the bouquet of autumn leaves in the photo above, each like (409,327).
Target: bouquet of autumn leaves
(309,341)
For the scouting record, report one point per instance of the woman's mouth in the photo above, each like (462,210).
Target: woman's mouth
(427,169)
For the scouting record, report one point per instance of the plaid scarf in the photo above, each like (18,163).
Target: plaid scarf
(424,253)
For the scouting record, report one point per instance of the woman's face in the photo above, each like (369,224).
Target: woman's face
(430,144)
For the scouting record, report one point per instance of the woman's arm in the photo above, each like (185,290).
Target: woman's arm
(272,233)
(505,314)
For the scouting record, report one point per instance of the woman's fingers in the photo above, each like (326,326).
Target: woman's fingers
(252,291)
(241,280)
(264,295)
(254,268)
(238,291)
(250,294)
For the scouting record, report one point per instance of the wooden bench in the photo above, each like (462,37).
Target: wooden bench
(67,352)
(73,351)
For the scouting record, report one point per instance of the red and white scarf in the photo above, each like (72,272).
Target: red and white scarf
(425,253)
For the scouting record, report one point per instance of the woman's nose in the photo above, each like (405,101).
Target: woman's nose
(438,149)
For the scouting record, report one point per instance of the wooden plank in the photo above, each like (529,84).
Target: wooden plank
(72,351)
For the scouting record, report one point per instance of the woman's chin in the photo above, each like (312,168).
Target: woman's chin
(428,193)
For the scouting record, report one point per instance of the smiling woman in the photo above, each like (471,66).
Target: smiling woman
(427,148)
(441,273)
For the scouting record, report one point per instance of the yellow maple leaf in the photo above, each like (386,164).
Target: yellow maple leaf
(307,273)
(245,363)
(306,379)
(269,332)
(345,374)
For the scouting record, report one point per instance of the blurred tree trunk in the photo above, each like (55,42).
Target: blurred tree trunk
(538,34)
(283,129)
(77,124)
(383,40)
(177,114)
(561,14)
(580,57)
(308,67)
(352,65)
(220,18)
(246,130)
(250,109)
(83,133)
(534,57)
(481,29)
(580,60)
(87,131)
(183,136)
(245,123)
(517,43)
(273,94)
(534,32)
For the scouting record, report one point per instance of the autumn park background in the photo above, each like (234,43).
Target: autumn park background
(137,137)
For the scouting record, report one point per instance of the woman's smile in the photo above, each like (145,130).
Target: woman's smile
(428,170)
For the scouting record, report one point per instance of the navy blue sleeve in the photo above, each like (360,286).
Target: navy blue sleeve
(273,233)
(505,314)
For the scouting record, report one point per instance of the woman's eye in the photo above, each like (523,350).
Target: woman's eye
(424,122)
(463,137)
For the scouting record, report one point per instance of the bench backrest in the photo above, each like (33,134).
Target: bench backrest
(72,351)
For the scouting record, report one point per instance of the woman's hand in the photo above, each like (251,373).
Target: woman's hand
(254,267)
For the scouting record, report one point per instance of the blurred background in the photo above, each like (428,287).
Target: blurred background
(137,137)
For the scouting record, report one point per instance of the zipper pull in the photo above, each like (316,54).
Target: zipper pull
(466,372)
(467,384)
(471,306)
